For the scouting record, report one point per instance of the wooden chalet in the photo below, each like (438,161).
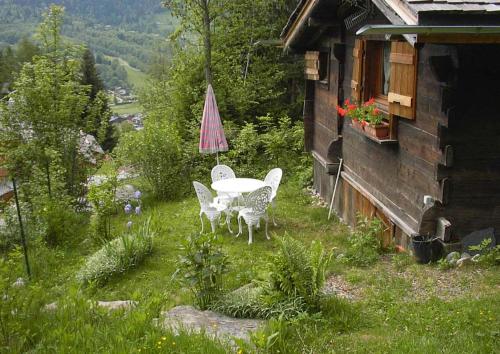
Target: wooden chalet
(433,67)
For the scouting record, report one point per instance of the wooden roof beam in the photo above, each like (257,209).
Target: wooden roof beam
(298,26)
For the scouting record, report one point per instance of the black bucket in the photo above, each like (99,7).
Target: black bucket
(426,250)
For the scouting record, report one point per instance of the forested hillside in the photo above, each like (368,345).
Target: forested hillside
(109,12)
(130,30)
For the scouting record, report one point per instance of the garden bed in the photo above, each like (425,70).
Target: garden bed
(389,306)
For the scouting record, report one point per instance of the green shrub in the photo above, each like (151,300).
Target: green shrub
(258,302)
(272,142)
(364,243)
(61,223)
(202,265)
(299,271)
(118,255)
(156,151)
(103,199)
(488,256)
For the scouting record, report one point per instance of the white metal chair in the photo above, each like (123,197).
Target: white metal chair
(256,204)
(211,210)
(273,179)
(220,172)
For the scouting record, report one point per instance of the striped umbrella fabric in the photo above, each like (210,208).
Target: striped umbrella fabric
(212,137)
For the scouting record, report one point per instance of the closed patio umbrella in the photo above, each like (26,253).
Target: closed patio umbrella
(212,138)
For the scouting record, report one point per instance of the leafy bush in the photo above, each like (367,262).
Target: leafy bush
(156,151)
(488,256)
(270,143)
(202,265)
(103,199)
(364,243)
(118,255)
(298,271)
(61,222)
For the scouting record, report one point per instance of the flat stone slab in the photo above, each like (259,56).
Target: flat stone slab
(215,325)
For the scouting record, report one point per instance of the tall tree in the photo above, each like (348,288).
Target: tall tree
(198,16)
(251,74)
(8,65)
(26,50)
(90,75)
(42,123)
(96,116)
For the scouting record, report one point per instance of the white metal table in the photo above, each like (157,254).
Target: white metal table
(237,185)
(234,186)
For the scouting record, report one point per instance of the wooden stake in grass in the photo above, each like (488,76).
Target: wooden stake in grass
(335,189)
(21,228)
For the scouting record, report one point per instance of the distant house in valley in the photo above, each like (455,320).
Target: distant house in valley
(433,69)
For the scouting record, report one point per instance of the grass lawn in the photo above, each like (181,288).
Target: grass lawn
(395,306)
(135,77)
(129,108)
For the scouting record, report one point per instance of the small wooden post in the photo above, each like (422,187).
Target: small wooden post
(335,189)
(21,228)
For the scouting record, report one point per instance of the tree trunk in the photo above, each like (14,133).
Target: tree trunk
(207,41)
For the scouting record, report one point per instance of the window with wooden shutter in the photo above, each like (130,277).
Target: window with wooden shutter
(357,70)
(402,88)
(312,65)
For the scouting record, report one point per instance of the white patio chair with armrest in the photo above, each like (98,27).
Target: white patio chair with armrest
(208,207)
(220,172)
(256,204)
(273,179)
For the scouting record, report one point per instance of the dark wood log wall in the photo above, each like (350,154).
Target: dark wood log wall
(474,134)
(450,151)
(401,175)
(325,114)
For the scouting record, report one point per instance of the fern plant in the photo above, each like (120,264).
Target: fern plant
(299,271)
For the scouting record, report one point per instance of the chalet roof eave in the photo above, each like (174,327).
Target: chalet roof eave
(426,30)
(297,21)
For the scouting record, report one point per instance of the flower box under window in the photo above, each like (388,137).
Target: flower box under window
(367,119)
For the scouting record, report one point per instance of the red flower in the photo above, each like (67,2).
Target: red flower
(376,111)
(341,111)
(369,102)
(347,102)
(364,123)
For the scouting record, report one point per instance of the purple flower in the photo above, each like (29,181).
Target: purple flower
(137,194)
(138,210)
(129,225)
(128,208)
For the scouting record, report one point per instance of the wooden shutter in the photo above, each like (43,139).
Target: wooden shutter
(312,65)
(357,70)
(402,87)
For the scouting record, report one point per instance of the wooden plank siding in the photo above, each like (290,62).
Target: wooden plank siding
(449,149)
(474,134)
(325,118)
(402,174)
